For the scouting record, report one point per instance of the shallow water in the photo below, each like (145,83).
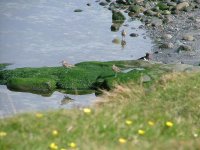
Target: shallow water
(44,32)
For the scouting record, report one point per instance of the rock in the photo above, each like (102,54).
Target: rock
(185,48)
(134,35)
(166,45)
(78,10)
(145,78)
(116,41)
(182,6)
(162,6)
(197,1)
(168,19)
(103,3)
(108,1)
(118,16)
(135,8)
(150,13)
(155,22)
(115,27)
(88,4)
(188,37)
(167,36)
(166,12)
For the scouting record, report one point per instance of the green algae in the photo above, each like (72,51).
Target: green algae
(85,77)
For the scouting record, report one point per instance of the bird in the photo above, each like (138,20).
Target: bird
(116,69)
(147,57)
(123,43)
(66,65)
(123,33)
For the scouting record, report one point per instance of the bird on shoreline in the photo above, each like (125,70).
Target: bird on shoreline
(66,65)
(147,57)
(116,69)
(123,33)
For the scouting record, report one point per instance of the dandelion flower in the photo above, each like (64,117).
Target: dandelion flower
(122,140)
(128,122)
(2,133)
(53,146)
(141,132)
(63,149)
(87,110)
(151,123)
(72,145)
(195,135)
(39,115)
(169,124)
(54,132)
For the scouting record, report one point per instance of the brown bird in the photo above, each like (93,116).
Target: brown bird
(67,65)
(123,33)
(116,69)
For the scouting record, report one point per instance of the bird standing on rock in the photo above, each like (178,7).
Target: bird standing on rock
(116,69)
(67,65)
(123,33)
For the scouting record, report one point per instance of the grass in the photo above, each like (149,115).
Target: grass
(119,114)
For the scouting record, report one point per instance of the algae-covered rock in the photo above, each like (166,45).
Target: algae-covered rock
(35,85)
(117,16)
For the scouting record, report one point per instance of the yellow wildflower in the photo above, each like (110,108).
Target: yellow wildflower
(54,132)
(169,124)
(53,146)
(122,140)
(151,123)
(141,132)
(87,110)
(2,133)
(39,115)
(72,145)
(63,149)
(128,122)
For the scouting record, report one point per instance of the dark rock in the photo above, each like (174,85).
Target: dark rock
(115,26)
(88,4)
(166,45)
(103,3)
(135,8)
(134,35)
(78,10)
(185,48)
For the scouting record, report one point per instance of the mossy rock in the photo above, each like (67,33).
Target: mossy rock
(162,6)
(135,8)
(117,16)
(35,85)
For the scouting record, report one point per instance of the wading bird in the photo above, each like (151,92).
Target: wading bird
(67,65)
(116,69)
(123,33)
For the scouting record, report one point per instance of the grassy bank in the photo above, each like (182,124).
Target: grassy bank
(165,116)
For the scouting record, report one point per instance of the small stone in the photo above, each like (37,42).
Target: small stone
(78,10)
(88,4)
(156,22)
(134,35)
(188,37)
(184,48)
(166,45)
(115,27)
(167,36)
(103,3)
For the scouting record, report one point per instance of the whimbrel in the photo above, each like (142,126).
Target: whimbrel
(116,69)
(67,65)
(123,33)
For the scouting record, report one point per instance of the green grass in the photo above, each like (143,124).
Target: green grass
(174,98)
